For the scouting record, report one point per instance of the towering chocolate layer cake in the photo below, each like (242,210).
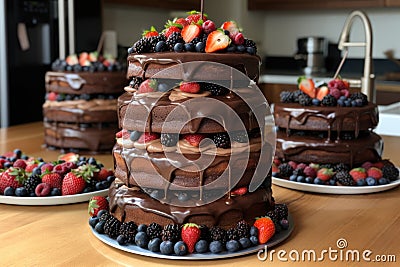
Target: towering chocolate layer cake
(80,107)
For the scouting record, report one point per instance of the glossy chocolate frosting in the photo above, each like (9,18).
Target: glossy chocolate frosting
(147,65)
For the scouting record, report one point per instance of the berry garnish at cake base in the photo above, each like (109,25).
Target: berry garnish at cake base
(71,174)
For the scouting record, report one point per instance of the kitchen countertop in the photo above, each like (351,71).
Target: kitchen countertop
(60,235)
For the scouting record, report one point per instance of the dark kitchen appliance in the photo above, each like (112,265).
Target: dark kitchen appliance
(311,54)
(32,44)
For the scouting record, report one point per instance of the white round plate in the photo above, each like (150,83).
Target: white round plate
(275,240)
(48,201)
(329,189)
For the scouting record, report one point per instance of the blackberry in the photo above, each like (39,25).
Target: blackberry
(299,172)
(218,234)
(171,232)
(282,211)
(240,136)
(296,95)
(154,40)
(196,40)
(243,229)
(128,230)
(359,95)
(112,226)
(250,43)
(173,39)
(135,83)
(285,170)
(222,140)
(154,230)
(305,100)
(214,89)
(169,139)
(105,216)
(390,172)
(344,178)
(31,183)
(329,101)
(232,234)
(286,97)
(273,215)
(142,46)
(341,167)
(205,232)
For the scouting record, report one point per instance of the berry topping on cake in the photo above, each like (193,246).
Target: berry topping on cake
(169,139)
(208,26)
(194,139)
(221,140)
(96,204)
(266,229)
(231,27)
(194,17)
(190,87)
(322,92)
(307,86)
(171,27)
(148,86)
(190,32)
(216,41)
(148,137)
(190,235)
(150,33)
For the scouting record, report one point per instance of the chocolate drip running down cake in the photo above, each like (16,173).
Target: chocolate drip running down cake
(81,103)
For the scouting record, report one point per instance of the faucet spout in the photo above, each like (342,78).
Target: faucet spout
(368,79)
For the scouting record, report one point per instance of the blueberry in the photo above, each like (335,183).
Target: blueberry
(131,50)
(284,224)
(370,181)
(99,228)
(251,50)
(353,103)
(216,247)
(301,179)
(200,47)
(232,245)
(180,248)
(361,182)
(347,103)
(253,231)
(82,158)
(24,157)
(231,48)
(189,47)
(166,247)
(9,191)
(342,97)
(154,245)
(178,47)
(7,164)
(340,103)
(309,180)
(99,186)
(32,194)
(226,32)
(141,239)
(56,192)
(18,152)
(142,228)
(332,181)
(240,48)
(318,181)
(383,181)
(254,240)
(122,240)
(93,221)
(293,178)
(77,68)
(201,246)
(245,242)
(161,46)
(92,161)
(135,135)
(105,184)
(359,103)
(21,192)
(110,178)
(13,159)
(316,102)
(163,87)
(101,212)
(275,174)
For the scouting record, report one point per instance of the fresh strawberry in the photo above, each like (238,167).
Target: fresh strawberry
(30,167)
(358,173)
(239,191)
(190,235)
(69,157)
(190,87)
(181,21)
(52,96)
(96,204)
(194,139)
(150,33)
(83,57)
(72,184)
(47,167)
(93,56)
(274,168)
(310,172)
(103,174)
(14,177)
(53,179)
(208,26)
(277,161)
(325,174)
(194,17)
(266,229)
(171,27)
(217,40)
(72,59)
(238,39)
(20,163)
(190,32)
(149,85)
(147,137)
(307,85)
(374,172)
(321,92)
(232,27)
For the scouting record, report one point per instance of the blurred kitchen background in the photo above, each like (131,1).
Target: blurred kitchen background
(276,26)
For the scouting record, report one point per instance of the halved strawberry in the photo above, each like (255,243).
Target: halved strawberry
(217,40)
(190,87)
(83,57)
(72,59)
(190,32)
(149,85)
(69,157)
(150,33)
(147,137)
(307,85)
(232,27)
(239,191)
(321,92)
(194,139)
(195,16)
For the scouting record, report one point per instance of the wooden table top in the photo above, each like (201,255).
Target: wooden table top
(61,236)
